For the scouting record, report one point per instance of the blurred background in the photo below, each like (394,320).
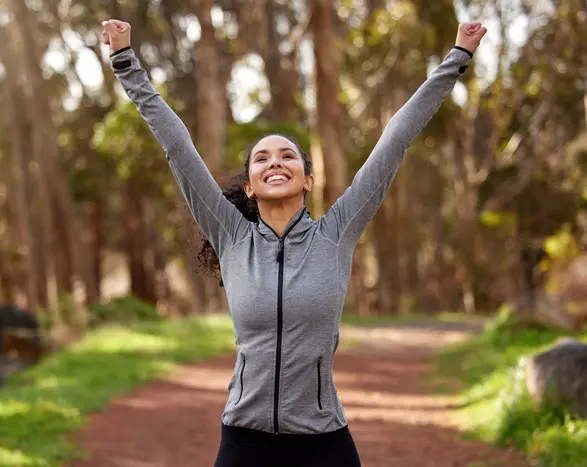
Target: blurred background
(487,211)
(486,219)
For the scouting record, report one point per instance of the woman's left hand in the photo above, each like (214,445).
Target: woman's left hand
(470,35)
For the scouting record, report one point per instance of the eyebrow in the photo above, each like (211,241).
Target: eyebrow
(266,151)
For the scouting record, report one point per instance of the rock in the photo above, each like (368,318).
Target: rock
(559,375)
(12,316)
(19,334)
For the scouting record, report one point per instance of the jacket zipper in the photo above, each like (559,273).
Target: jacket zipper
(319,384)
(241,378)
(281,261)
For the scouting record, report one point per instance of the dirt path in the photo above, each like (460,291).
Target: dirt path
(395,420)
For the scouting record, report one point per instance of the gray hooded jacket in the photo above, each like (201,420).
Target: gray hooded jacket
(286,293)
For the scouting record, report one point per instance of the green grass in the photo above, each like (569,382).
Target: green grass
(40,408)
(410,318)
(497,407)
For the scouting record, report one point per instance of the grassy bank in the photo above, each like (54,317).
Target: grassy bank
(497,407)
(40,408)
(351,319)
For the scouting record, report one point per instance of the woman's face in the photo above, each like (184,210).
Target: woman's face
(276,171)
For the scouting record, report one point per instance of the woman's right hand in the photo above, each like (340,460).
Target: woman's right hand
(116,34)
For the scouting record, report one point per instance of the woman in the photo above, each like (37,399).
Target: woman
(285,274)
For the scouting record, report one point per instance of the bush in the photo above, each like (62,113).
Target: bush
(122,310)
(62,313)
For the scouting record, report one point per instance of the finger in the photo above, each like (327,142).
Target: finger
(110,28)
(120,25)
(481,32)
(105,38)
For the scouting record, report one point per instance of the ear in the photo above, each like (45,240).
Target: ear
(248,190)
(309,184)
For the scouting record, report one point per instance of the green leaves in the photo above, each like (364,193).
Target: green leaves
(241,136)
(125,139)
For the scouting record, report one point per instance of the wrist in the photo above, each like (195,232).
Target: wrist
(114,52)
(464,49)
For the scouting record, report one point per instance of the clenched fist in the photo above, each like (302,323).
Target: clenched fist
(470,35)
(116,34)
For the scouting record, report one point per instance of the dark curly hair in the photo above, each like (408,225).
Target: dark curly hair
(235,193)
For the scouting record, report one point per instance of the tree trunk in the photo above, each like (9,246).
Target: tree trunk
(95,247)
(394,221)
(465,212)
(161,286)
(211,95)
(63,256)
(24,200)
(281,71)
(7,283)
(211,120)
(149,260)
(383,248)
(329,111)
(357,293)
(48,154)
(29,212)
(136,244)
(375,5)
(186,230)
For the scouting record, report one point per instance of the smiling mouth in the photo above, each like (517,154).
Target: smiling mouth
(276,179)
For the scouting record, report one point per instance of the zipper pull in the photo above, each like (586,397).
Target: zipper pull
(280,251)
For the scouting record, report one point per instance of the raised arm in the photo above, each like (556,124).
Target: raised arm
(220,221)
(350,214)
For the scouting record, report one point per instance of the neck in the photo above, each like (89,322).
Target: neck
(277,214)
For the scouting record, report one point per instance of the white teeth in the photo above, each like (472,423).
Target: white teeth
(276,178)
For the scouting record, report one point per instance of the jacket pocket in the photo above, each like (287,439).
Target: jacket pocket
(243,364)
(319,394)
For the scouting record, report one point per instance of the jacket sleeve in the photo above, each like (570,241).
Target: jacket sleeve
(220,221)
(350,214)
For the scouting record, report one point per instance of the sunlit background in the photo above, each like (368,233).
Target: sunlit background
(486,219)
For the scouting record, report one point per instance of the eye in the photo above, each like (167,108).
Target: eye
(288,156)
(260,159)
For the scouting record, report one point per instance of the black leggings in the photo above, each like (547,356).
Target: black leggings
(243,447)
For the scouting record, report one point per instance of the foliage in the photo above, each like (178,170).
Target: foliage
(40,408)
(124,139)
(242,136)
(63,313)
(497,406)
(558,205)
(122,310)
(499,168)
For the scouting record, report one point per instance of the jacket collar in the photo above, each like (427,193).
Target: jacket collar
(300,222)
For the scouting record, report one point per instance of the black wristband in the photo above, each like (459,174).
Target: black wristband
(462,49)
(128,47)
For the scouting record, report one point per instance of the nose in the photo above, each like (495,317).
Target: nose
(275,162)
